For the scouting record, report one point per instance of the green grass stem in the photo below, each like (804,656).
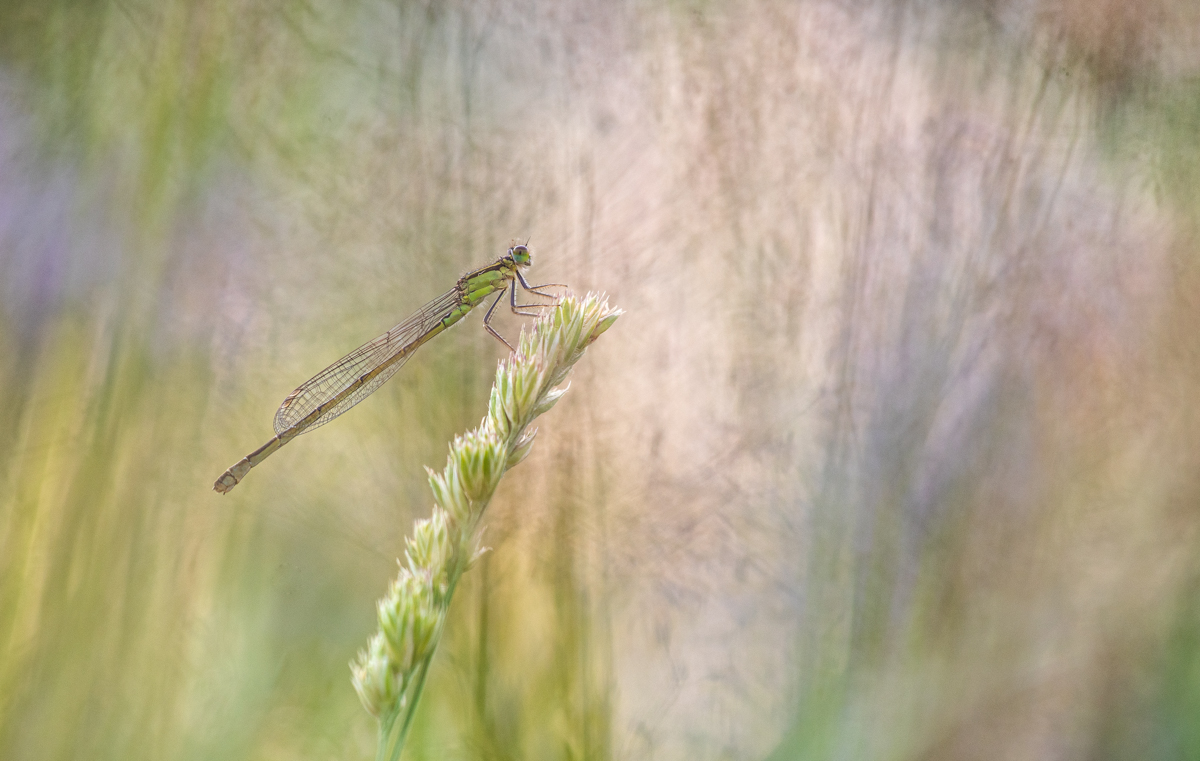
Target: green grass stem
(390,673)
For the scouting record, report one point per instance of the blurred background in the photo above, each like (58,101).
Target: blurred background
(894,454)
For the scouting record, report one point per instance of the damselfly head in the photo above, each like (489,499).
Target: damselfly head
(520,255)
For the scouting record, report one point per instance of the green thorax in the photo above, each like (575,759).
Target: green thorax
(476,286)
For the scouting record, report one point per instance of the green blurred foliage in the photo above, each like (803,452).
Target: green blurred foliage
(892,457)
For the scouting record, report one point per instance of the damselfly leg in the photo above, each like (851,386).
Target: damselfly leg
(519,308)
(534,289)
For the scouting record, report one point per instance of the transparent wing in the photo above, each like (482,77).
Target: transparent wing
(339,376)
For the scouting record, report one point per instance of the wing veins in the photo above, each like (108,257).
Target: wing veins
(339,376)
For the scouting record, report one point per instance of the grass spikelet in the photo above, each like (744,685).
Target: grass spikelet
(389,674)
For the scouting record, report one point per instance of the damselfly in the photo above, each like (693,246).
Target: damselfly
(357,375)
